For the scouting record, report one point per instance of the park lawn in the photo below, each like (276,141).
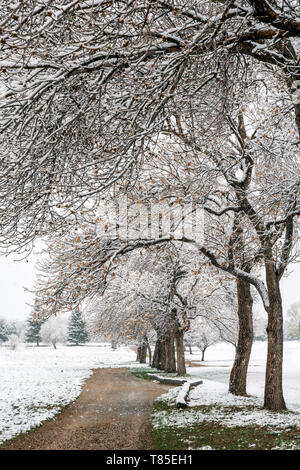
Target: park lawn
(217,420)
(188,434)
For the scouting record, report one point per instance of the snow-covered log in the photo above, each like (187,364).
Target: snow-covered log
(184,392)
(182,396)
(167,380)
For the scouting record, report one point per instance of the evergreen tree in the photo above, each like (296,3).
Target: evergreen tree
(32,333)
(77,329)
(3,331)
(11,328)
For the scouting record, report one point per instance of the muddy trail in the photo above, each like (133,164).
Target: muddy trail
(113,412)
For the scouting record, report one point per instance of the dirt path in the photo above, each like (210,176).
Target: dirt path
(113,412)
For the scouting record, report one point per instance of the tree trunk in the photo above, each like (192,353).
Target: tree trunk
(149,352)
(143,351)
(143,357)
(203,353)
(238,376)
(169,347)
(157,360)
(154,357)
(164,353)
(181,370)
(273,399)
(138,354)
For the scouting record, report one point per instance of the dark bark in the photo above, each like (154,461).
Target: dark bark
(155,355)
(164,353)
(143,351)
(203,353)
(158,360)
(181,369)
(138,354)
(170,362)
(274,399)
(238,376)
(141,355)
(149,352)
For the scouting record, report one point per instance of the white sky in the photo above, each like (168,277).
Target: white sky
(15,275)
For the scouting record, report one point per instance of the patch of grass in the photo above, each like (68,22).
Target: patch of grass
(37,408)
(161,405)
(217,436)
(142,372)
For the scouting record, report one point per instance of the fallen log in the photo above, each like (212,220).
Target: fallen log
(167,380)
(184,391)
(181,400)
(182,396)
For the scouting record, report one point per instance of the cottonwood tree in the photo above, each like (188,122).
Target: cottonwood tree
(121,314)
(270,201)
(191,180)
(138,301)
(147,289)
(232,265)
(267,204)
(41,192)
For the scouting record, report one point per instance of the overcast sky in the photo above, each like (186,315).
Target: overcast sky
(15,275)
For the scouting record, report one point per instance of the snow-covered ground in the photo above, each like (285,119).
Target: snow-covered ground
(213,393)
(36,382)
(219,359)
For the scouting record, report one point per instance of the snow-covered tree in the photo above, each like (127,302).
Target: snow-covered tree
(77,333)
(251,213)
(54,331)
(202,335)
(74,116)
(161,291)
(260,326)
(9,328)
(3,330)
(33,327)
(13,342)
(292,322)
(75,125)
